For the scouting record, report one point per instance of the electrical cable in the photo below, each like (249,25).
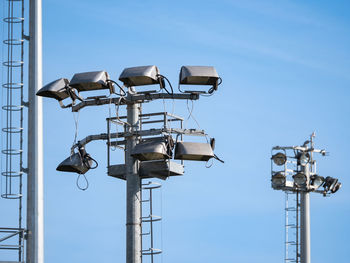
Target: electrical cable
(120,87)
(88,158)
(178,87)
(190,111)
(78,185)
(214,87)
(217,158)
(76,123)
(207,165)
(163,86)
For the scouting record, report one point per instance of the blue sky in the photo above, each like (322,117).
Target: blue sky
(285,67)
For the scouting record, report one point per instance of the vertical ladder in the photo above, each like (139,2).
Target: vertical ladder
(147,221)
(12,238)
(292,227)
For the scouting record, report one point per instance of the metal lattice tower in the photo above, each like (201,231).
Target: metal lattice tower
(12,238)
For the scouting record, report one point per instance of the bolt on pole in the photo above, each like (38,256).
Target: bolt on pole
(133,191)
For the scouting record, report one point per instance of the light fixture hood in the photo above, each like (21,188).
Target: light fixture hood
(153,149)
(74,164)
(139,76)
(95,80)
(198,75)
(55,89)
(193,151)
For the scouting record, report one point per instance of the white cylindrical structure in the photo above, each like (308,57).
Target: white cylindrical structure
(35,209)
(133,191)
(305,256)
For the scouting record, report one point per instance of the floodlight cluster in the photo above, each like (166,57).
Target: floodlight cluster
(62,88)
(300,166)
(148,149)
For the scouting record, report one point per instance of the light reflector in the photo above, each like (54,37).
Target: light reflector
(303,159)
(279,158)
(153,149)
(317,181)
(198,75)
(300,179)
(278,180)
(94,80)
(55,89)
(139,76)
(193,151)
(74,164)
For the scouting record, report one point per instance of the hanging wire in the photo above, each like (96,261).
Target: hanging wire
(190,115)
(113,148)
(209,163)
(178,87)
(85,160)
(120,88)
(161,78)
(76,123)
(82,188)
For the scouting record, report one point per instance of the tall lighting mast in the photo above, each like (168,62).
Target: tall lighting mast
(35,184)
(26,241)
(148,148)
(293,170)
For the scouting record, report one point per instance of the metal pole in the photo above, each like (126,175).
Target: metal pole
(305,221)
(35,224)
(133,191)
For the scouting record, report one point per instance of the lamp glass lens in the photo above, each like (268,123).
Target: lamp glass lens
(304,159)
(278,180)
(318,181)
(300,179)
(279,159)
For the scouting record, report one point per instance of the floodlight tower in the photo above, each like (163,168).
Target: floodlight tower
(146,156)
(301,166)
(13,171)
(35,183)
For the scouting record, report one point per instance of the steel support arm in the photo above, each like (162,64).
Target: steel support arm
(132,98)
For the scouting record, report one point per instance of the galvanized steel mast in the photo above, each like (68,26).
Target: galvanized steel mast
(305,221)
(133,190)
(35,224)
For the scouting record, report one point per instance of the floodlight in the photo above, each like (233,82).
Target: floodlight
(279,158)
(193,151)
(74,164)
(154,149)
(278,180)
(317,181)
(79,162)
(336,187)
(300,179)
(199,75)
(303,158)
(140,76)
(331,184)
(55,89)
(161,169)
(95,80)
